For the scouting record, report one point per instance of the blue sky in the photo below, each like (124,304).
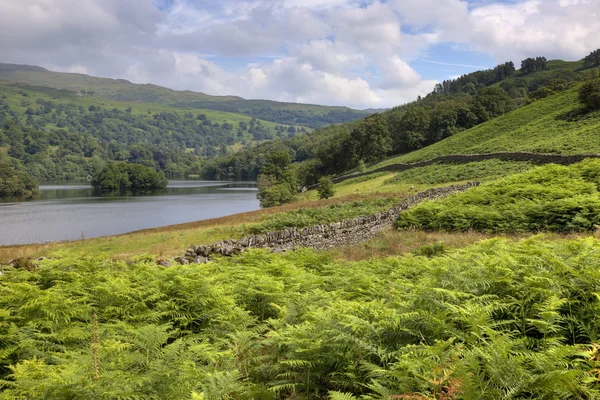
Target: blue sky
(358,53)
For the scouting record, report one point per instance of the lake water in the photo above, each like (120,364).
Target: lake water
(72,211)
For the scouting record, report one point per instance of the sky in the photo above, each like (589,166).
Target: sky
(356,53)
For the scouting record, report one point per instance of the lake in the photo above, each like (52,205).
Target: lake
(68,211)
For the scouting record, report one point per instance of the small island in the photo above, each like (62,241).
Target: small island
(123,177)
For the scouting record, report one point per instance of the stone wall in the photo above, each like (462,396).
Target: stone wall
(353,230)
(539,158)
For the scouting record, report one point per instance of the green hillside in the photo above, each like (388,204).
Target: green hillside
(20,96)
(54,134)
(123,90)
(555,124)
(497,109)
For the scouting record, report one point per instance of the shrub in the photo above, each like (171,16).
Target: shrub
(503,319)
(549,198)
(276,195)
(589,95)
(325,189)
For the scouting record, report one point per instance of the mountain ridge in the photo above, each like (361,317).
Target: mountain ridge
(311,115)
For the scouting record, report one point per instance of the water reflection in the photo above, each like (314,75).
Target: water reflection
(66,211)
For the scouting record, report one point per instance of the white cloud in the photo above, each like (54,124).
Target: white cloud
(320,51)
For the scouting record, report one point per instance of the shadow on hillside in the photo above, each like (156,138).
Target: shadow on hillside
(574,115)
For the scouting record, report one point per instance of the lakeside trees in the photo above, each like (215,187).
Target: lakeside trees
(277,182)
(15,183)
(123,177)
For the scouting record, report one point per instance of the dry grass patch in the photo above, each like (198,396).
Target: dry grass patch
(394,242)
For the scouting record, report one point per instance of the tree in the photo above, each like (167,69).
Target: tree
(530,65)
(409,132)
(277,181)
(370,139)
(325,189)
(121,177)
(491,102)
(589,95)
(448,118)
(15,183)
(593,59)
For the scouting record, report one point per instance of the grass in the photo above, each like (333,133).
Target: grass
(481,171)
(172,240)
(394,242)
(551,125)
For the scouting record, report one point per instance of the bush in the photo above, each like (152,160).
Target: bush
(276,195)
(549,198)
(325,189)
(589,95)
(121,177)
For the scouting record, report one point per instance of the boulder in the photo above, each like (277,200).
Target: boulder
(164,263)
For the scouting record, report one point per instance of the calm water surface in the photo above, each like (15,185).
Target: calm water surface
(72,211)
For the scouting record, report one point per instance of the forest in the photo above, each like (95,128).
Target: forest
(61,140)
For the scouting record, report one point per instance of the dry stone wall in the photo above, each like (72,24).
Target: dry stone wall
(539,158)
(353,230)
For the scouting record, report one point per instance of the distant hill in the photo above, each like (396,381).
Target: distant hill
(309,115)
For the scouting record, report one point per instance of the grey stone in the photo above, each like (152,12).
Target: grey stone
(164,263)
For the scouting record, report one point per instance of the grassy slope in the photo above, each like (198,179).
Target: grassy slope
(120,89)
(14,98)
(551,125)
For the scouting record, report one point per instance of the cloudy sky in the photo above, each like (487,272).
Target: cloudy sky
(358,53)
